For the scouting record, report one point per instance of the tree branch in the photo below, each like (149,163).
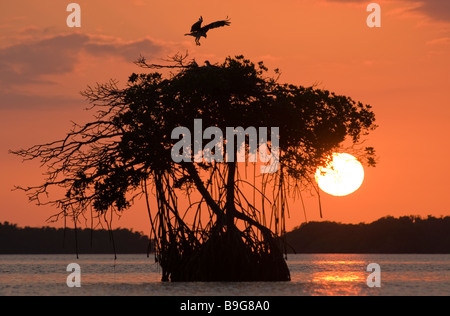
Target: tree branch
(202,189)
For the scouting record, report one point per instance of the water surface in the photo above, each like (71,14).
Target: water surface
(312,274)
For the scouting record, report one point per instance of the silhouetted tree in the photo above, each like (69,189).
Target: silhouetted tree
(223,234)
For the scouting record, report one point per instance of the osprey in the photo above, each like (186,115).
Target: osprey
(197,30)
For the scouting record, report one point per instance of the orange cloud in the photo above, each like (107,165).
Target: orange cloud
(27,62)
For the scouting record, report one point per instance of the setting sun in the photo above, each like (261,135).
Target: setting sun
(343,175)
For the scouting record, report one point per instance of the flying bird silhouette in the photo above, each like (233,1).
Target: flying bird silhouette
(197,30)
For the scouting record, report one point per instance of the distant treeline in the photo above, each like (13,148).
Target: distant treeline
(48,240)
(408,234)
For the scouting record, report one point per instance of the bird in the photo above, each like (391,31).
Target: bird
(197,30)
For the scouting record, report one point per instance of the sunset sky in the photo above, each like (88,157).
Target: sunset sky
(402,69)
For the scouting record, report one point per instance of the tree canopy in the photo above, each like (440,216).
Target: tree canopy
(125,153)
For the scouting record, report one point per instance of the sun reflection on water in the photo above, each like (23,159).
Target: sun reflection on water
(338,277)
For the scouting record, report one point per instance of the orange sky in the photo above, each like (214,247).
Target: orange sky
(402,69)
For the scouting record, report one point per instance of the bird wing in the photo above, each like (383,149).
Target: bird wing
(216,24)
(196,26)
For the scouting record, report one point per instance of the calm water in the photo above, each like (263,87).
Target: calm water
(312,274)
